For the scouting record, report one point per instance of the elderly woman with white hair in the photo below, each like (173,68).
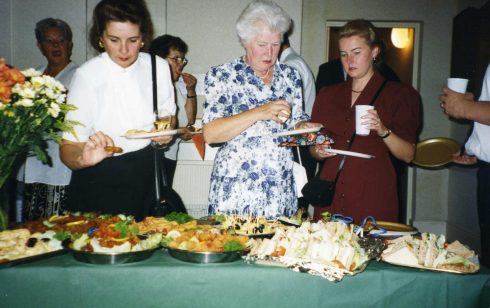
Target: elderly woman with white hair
(247,101)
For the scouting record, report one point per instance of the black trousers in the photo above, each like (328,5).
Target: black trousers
(122,184)
(483,199)
(170,166)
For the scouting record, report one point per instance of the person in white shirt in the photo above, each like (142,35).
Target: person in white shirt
(302,154)
(173,49)
(45,184)
(477,149)
(113,94)
(291,58)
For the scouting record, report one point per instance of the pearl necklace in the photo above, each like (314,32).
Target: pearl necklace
(265,75)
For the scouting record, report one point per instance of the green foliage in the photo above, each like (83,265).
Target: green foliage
(233,245)
(180,218)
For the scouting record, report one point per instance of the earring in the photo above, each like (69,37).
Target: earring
(142,44)
(374,59)
(101,45)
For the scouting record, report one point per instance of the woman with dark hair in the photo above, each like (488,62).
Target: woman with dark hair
(45,184)
(173,49)
(113,94)
(366,187)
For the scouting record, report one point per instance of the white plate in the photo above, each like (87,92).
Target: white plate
(297,131)
(349,153)
(170,132)
(391,233)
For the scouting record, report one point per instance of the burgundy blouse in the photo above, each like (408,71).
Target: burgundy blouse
(366,186)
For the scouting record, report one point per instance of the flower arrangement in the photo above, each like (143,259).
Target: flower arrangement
(32,109)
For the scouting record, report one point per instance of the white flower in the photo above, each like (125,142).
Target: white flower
(50,93)
(54,110)
(61,98)
(59,86)
(31,72)
(37,82)
(24,90)
(24,102)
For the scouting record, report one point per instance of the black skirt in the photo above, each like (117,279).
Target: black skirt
(122,184)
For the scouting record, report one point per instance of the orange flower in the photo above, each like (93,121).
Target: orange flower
(5,91)
(8,78)
(16,76)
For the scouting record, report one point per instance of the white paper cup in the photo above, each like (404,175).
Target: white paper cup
(362,110)
(457,84)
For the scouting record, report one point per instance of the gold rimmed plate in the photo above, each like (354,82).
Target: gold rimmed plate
(435,152)
(388,229)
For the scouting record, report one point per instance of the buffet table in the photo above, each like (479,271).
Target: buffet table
(162,281)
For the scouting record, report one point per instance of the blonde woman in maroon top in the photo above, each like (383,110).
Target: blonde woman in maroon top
(365,186)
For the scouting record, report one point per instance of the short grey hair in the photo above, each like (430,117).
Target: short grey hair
(259,14)
(45,24)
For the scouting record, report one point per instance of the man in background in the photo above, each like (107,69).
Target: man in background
(477,150)
(290,57)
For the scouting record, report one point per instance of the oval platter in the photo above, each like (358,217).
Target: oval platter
(205,257)
(112,258)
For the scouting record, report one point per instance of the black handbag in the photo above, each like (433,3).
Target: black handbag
(320,193)
(167,199)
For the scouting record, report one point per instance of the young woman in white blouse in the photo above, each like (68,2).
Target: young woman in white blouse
(113,94)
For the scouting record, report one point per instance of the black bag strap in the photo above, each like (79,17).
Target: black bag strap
(154,85)
(353,137)
(159,154)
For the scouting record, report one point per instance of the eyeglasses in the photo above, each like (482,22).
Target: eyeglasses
(53,41)
(179,60)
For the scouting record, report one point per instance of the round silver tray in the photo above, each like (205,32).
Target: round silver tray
(112,258)
(205,257)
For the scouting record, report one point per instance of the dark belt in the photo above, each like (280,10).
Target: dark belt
(483,164)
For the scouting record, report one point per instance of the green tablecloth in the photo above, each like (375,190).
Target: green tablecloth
(162,281)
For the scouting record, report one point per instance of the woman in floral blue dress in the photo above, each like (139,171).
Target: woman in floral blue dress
(247,101)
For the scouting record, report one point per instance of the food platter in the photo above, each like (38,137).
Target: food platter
(32,258)
(256,235)
(428,268)
(146,135)
(208,220)
(112,258)
(205,257)
(435,152)
(297,131)
(288,222)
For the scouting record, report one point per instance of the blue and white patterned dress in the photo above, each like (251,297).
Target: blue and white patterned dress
(251,173)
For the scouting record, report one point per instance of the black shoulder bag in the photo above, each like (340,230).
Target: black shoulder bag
(167,199)
(318,192)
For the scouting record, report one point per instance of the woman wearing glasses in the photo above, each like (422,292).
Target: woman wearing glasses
(173,49)
(45,184)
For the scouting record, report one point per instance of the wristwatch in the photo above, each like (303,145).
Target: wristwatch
(388,132)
